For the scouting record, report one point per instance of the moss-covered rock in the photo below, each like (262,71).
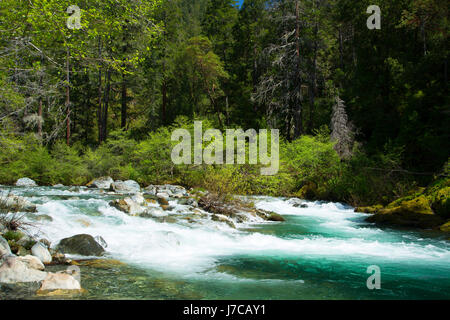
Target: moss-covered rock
(440,202)
(408,212)
(99,263)
(308,192)
(276,217)
(371,209)
(82,244)
(445,227)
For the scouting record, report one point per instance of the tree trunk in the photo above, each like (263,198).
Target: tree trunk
(40,104)
(164,94)
(298,108)
(424,39)
(341,49)
(99,110)
(124,102)
(255,75)
(313,86)
(106,105)
(68,98)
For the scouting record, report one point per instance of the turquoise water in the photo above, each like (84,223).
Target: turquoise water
(320,252)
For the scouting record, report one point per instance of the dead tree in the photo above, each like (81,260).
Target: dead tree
(342,130)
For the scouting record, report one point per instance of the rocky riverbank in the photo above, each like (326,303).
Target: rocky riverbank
(426,208)
(121,241)
(25,258)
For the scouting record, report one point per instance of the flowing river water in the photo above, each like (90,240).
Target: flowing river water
(320,252)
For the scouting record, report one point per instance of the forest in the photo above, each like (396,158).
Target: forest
(363,113)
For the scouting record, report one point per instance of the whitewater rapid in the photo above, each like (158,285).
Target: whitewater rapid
(332,231)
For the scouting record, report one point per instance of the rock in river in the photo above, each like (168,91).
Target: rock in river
(13,270)
(26,182)
(40,251)
(129,186)
(128,206)
(409,213)
(59,281)
(32,262)
(101,183)
(82,244)
(15,203)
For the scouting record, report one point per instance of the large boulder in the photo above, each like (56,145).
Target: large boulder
(445,227)
(129,186)
(308,192)
(440,202)
(26,182)
(59,281)
(13,270)
(32,262)
(40,251)
(101,241)
(14,203)
(101,183)
(4,247)
(269,215)
(82,244)
(407,212)
(129,206)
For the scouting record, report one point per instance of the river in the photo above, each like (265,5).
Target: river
(320,252)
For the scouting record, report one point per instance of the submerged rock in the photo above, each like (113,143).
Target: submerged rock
(154,212)
(188,202)
(225,219)
(13,270)
(59,281)
(40,217)
(26,182)
(101,183)
(269,215)
(40,251)
(99,263)
(129,186)
(82,244)
(297,203)
(275,217)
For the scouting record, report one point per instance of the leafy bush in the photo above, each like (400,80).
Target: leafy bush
(309,167)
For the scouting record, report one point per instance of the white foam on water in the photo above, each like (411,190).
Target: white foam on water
(189,249)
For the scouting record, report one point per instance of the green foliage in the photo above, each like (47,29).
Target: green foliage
(139,69)
(13,235)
